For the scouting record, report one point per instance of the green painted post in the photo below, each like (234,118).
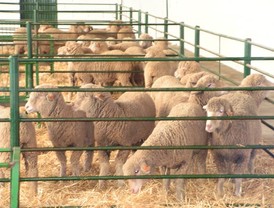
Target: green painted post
(121,12)
(166,28)
(14,100)
(29,66)
(15,178)
(197,42)
(14,129)
(116,9)
(140,23)
(182,39)
(130,15)
(247,55)
(146,22)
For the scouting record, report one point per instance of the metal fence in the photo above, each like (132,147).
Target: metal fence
(188,42)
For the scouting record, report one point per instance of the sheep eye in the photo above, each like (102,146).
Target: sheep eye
(209,85)
(136,171)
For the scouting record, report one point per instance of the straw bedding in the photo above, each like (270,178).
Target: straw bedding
(200,193)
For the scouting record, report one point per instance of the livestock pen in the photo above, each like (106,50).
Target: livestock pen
(21,73)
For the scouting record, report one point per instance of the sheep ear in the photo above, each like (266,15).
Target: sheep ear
(145,168)
(50,97)
(99,96)
(230,113)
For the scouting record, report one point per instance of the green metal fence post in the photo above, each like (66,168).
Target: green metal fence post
(166,28)
(116,9)
(197,42)
(15,178)
(146,22)
(121,12)
(139,23)
(29,66)
(182,38)
(14,129)
(247,55)
(130,15)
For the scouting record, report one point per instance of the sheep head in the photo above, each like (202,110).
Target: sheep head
(217,107)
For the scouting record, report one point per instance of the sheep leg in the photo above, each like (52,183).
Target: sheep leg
(222,167)
(166,181)
(31,168)
(200,161)
(63,162)
(74,160)
(242,163)
(251,161)
(88,160)
(120,159)
(103,157)
(180,183)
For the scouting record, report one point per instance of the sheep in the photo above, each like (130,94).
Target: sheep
(73,32)
(44,46)
(126,31)
(145,40)
(102,78)
(20,42)
(99,46)
(113,133)
(63,134)
(27,139)
(155,69)
(185,68)
(169,133)
(230,132)
(138,66)
(125,44)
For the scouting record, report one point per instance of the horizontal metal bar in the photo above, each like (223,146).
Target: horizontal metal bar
(186,176)
(46,149)
(145,119)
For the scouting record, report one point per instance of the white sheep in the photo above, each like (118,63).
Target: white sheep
(113,133)
(169,133)
(27,139)
(231,132)
(155,69)
(126,31)
(146,40)
(185,68)
(122,78)
(124,45)
(61,133)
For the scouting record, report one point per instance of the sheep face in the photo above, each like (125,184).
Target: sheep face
(42,102)
(217,107)
(135,168)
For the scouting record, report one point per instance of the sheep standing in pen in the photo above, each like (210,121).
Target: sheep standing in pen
(145,40)
(169,133)
(155,69)
(101,78)
(230,132)
(27,139)
(63,134)
(113,133)
(176,133)
(126,31)
(185,69)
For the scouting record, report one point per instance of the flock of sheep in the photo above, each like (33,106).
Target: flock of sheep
(117,41)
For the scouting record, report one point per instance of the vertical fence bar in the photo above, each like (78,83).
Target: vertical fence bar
(139,23)
(166,28)
(130,15)
(116,13)
(182,39)
(146,22)
(15,176)
(120,12)
(14,129)
(29,66)
(247,55)
(197,42)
